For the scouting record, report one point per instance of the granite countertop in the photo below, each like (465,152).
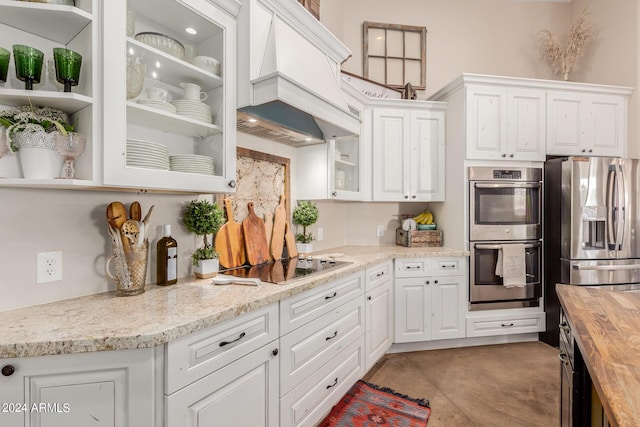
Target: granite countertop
(107,322)
(607,330)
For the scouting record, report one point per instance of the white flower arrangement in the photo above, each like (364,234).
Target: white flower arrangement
(28,118)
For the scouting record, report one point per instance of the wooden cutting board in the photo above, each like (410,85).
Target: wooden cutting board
(290,240)
(229,240)
(255,238)
(277,234)
(277,271)
(268,228)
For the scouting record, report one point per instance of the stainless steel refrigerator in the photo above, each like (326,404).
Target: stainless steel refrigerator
(590,227)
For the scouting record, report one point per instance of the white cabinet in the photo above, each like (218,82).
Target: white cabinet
(188,130)
(243,393)
(505,322)
(408,153)
(505,123)
(586,124)
(212,376)
(378,312)
(331,171)
(322,348)
(107,388)
(430,299)
(44,27)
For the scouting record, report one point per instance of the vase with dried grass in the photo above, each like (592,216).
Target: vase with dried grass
(564,61)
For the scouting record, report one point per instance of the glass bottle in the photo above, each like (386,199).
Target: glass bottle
(167,261)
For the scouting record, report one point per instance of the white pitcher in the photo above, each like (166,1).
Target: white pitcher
(192,92)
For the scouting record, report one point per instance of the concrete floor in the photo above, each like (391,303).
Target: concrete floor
(499,385)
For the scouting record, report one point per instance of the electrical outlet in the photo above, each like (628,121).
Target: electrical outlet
(319,234)
(49,268)
(380,230)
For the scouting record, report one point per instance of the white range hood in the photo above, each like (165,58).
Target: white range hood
(289,83)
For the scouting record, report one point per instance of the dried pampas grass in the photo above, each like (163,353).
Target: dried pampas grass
(564,60)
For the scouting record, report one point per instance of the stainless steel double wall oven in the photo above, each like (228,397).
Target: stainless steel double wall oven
(505,207)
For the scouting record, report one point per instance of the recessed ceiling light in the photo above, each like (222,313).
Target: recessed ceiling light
(131,51)
(157,64)
(253,120)
(191,30)
(154,75)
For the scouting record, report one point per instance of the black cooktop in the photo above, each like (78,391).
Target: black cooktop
(286,269)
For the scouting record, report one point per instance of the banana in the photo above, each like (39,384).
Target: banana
(424,217)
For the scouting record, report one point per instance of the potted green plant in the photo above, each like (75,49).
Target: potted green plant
(305,214)
(203,218)
(31,129)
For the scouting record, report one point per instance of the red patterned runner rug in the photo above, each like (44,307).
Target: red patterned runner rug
(367,405)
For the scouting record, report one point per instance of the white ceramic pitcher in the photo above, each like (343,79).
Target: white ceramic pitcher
(192,92)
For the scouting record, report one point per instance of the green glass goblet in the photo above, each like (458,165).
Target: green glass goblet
(67,67)
(5,57)
(28,61)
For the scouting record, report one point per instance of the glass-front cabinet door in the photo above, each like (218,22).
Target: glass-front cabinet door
(169,94)
(344,163)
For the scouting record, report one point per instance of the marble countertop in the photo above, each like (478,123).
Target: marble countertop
(607,330)
(107,322)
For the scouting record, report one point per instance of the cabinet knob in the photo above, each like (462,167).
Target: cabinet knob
(413,197)
(232,183)
(8,370)
(427,282)
(583,150)
(369,297)
(406,196)
(504,155)
(334,194)
(275,352)
(591,150)
(511,155)
(435,281)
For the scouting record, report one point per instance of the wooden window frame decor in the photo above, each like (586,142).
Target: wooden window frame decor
(403,47)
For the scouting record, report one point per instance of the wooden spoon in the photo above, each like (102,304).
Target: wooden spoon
(135,211)
(116,214)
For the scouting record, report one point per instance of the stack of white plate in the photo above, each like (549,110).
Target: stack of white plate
(160,105)
(193,109)
(146,154)
(193,163)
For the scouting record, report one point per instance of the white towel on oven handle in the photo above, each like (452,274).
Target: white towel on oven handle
(511,265)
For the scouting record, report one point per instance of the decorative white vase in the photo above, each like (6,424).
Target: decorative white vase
(38,155)
(206,268)
(9,163)
(304,248)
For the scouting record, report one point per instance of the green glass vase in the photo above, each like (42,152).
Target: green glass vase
(28,61)
(68,65)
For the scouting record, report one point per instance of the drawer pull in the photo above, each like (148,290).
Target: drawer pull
(563,357)
(507,325)
(380,274)
(412,267)
(331,296)
(334,383)
(448,266)
(8,370)
(335,334)
(242,335)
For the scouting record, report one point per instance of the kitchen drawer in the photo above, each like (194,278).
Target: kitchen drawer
(448,266)
(377,275)
(192,357)
(312,399)
(505,324)
(306,349)
(303,308)
(412,267)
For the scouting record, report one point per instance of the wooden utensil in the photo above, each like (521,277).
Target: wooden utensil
(116,214)
(290,240)
(277,234)
(129,231)
(255,240)
(291,268)
(229,242)
(135,211)
(268,228)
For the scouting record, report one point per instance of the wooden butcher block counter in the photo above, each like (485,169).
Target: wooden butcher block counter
(607,331)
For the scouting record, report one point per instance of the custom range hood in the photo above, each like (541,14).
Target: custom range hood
(289,76)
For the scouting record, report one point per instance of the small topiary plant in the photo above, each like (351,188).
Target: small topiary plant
(203,218)
(305,214)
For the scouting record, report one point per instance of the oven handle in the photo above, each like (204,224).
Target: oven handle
(507,185)
(527,246)
(607,267)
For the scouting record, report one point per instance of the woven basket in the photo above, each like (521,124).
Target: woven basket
(418,238)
